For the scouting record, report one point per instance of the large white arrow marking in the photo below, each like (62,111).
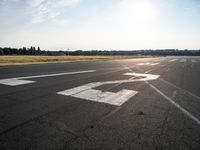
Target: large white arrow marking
(88,92)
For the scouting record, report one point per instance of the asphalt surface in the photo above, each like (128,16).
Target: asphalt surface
(163,115)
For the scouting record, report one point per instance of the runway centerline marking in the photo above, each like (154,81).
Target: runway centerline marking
(87,91)
(20,80)
(147,64)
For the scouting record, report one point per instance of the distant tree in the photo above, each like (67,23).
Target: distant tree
(20,51)
(14,51)
(34,51)
(38,51)
(6,51)
(1,51)
(31,50)
(24,51)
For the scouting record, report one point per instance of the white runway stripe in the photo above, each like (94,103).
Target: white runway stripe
(56,74)
(187,113)
(20,80)
(15,82)
(147,64)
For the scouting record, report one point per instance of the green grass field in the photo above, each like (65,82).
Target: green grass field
(27,60)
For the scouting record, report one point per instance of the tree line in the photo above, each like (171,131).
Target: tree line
(163,52)
(21,51)
(37,51)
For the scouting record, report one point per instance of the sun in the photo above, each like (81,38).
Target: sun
(144,10)
(141,10)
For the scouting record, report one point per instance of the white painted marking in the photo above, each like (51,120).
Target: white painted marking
(187,113)
(172,60)
(88,93)
(56,74)
(147,64)
(183,60)
(147,76)
(15,82)
(169,83)
(21,81)
(104,97)
(175,104)
(149,71)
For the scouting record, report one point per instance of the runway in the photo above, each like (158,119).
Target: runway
(143,103)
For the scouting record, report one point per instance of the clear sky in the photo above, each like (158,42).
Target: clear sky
(100,24)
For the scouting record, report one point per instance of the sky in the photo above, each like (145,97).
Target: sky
(100,24)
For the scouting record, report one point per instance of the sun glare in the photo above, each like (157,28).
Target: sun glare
(142,10)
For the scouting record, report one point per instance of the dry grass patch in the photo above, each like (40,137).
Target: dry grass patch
(26,60)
